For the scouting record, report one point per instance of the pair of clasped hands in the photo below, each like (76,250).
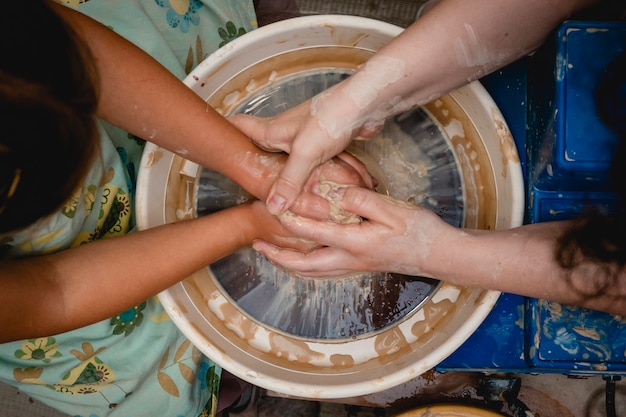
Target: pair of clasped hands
(384,241)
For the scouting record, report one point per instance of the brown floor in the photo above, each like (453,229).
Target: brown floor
(398,12)
(543,395)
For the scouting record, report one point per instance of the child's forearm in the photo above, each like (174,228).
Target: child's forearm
(92,282)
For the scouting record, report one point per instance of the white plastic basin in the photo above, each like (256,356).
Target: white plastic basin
(491,191)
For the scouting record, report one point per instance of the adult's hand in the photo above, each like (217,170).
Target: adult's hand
(343,170)
(395,237)
(405,239)
(312,133)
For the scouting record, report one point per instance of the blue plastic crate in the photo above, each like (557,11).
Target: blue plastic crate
(568,153)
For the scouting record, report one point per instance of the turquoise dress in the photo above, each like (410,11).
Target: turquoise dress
(136,363)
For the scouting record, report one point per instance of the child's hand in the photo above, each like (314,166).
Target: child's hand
(268,227)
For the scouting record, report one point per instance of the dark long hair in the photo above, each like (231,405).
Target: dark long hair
(597,236)
(48,96)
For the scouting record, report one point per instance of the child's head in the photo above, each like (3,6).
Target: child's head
(48,96)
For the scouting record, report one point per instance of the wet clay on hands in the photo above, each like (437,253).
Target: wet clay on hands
(329,190)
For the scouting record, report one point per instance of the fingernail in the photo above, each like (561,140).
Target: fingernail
(257,246)
(276,204)
(262,247)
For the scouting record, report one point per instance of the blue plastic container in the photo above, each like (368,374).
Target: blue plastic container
(568,154)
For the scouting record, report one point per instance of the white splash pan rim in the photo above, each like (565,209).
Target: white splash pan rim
(297,385)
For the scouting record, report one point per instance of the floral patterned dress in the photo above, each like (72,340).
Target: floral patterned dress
(136,363)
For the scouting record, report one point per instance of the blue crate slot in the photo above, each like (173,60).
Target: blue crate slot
(569,147)
(575,340)
(585,49)
(565,205)
(497,344)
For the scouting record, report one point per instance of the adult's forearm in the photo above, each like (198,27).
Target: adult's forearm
(522,261)
(456,42)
